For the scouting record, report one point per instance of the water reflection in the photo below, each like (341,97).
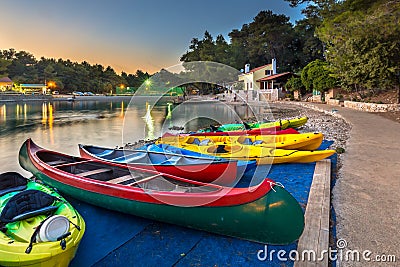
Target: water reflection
(149,122)
(4,112)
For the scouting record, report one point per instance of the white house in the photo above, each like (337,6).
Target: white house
(264,83)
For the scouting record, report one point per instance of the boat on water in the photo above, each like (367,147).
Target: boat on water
(245,168)
(38,226)
(263,155)
(203,169)
(305,141)
(265,213)
(283,124)
(260,131)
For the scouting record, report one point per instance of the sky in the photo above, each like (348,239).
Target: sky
(125,34)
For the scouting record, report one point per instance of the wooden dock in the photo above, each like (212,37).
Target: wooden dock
(315,237)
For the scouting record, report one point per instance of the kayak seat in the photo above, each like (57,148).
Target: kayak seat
(11,182)
(205,142)
(195,141)
(258,142)
(27,204)
(247,141)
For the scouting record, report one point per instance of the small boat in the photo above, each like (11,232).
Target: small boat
(282,124)
(265,213)
(245,168)
(259,131)
(38,226)
(203,169)
(305,141)
(263,155)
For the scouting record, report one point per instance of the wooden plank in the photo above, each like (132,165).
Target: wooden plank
(56,162)
(97,171)
(144,180)
(121,179)
(72,163)
(315,236)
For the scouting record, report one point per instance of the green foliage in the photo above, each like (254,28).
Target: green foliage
(294,84)
(363,43)
(23,67)
(4,63)
(317,76)
(268,36)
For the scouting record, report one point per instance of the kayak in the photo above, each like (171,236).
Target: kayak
(218,170)
(245,168)
(283,124)
(305,141)
(259,131)
(263,155)
(38,226)
(265,213)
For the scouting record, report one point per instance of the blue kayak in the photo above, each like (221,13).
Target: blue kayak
(245,168)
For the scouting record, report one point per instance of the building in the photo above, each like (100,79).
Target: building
(29,88)
(6,84)
(250,77)
(264,82)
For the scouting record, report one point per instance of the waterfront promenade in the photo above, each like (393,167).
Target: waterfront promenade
(366,196)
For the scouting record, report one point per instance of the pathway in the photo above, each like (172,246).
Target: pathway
(366,197)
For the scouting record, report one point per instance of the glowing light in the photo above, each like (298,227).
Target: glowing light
(147,82)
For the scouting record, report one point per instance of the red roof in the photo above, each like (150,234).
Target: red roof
(5,80)
(274,76)
(259,68)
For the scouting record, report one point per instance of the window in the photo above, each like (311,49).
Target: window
(268,72)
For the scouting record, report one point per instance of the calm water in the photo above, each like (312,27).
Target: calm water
(63,125)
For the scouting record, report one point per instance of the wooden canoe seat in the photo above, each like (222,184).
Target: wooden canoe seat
(56,162)
(121,179)
(70,163)
(97,171)
(128,177)
(145,180)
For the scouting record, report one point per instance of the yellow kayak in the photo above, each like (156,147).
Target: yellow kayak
(39,227)
(305,141)
(263,155)
(292,123)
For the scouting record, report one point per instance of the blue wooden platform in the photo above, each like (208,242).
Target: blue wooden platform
(117,239)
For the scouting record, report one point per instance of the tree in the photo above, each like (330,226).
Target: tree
(4,63)
(317,76)
(363,44)
(295,84)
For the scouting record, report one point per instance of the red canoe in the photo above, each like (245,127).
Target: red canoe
(265,213)
(207,169)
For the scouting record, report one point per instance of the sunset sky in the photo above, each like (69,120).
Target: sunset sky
(125,34)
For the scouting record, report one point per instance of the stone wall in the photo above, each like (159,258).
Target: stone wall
(371,107)
(333,102)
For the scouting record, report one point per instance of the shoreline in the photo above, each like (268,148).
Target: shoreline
(68,98)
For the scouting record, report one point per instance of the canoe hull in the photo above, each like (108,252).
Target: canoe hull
(274,218)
